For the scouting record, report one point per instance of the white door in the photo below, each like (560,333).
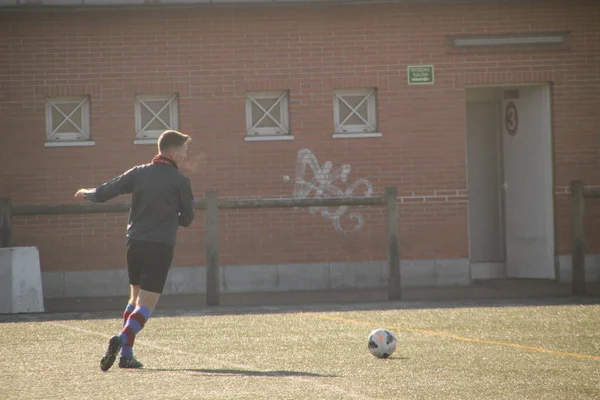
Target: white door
(528,189)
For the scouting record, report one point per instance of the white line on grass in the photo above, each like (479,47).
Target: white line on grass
(331,388)
(457,337)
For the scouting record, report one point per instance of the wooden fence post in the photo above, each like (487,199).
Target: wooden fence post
(578,232)
(5,223)
(212,248)
(393,246)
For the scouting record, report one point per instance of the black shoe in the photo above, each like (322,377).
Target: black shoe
(114,345)
(125,362)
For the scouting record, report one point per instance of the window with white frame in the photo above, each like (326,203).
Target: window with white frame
(68,119)
(154,114)
(267,113)
(355,110)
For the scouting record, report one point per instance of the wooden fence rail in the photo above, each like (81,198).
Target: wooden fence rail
(212,204)
(578,195)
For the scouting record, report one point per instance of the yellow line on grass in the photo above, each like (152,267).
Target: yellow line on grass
(457,337)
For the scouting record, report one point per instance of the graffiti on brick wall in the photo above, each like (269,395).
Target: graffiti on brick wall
(322,181)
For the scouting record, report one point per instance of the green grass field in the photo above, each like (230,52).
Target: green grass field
(465,351)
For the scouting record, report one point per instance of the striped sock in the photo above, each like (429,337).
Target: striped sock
(127,351)
(128,310)
(135,323)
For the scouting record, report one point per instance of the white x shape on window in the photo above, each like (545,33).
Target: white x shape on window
(68,117)
(353,110)
(155,115)
(267,113)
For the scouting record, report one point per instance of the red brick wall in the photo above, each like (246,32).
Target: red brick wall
(212,55)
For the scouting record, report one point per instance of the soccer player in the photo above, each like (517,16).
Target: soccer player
(162,201)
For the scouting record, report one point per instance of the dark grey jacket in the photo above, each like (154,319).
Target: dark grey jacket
(162,201)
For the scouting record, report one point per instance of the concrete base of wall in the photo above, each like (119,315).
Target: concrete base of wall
(592,268)
(488,270)
(20,280)
(290,277)
(265,278)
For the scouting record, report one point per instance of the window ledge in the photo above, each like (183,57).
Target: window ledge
(146,141)
(65,143)
(356,135)
(268,138)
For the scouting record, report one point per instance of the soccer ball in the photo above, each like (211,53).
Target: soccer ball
(382,343)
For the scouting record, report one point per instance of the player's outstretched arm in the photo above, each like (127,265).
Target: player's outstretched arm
(121,184)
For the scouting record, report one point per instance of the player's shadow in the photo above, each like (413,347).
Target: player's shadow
(244,372)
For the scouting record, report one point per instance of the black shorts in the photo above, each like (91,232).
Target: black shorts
(148,264)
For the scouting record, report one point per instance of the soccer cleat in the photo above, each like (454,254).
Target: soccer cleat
(114,345)
(125,362)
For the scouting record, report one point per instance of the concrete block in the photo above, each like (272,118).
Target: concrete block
(113,2)
(96,283)
(61,2)
(312,276)
(6,302)
(452,272)
(592,268)
(53,284)
(122,283)
(488,270)
(249,278)
(183,1)
(564,269)
(358,275)
(186,280)
(20,280)
(417,273)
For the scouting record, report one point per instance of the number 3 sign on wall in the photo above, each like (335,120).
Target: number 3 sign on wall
(511,118)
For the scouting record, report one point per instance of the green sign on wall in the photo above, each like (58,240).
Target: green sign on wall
(420,74)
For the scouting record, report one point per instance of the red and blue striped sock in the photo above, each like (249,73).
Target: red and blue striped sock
(135,323)
(127,351)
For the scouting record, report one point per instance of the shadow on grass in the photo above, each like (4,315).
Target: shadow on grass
(486,293)
(395,359)
(243,372)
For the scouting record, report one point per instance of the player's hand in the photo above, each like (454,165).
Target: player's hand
(82,193)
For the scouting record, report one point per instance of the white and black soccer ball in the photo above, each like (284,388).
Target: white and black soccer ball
(382,343)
